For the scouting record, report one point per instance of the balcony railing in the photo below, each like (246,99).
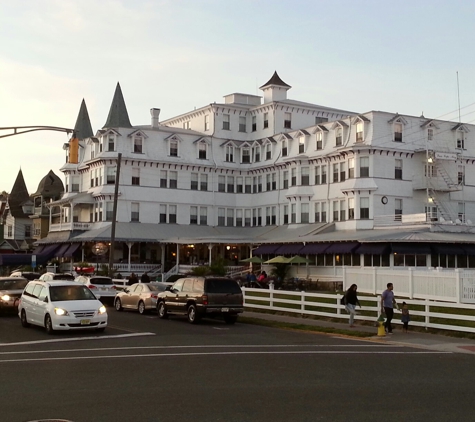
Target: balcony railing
(69,226)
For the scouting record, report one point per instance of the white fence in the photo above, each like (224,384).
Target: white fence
(424,313)
(451,285)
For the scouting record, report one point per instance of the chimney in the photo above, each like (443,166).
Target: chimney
(155,112)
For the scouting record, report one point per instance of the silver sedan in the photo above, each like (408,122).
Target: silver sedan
(140,296)
(11,289)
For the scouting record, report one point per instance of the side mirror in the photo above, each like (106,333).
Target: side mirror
(126,290)
(46,299)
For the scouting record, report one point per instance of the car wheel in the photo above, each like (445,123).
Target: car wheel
(162,310)
(118,305)
(142,309)
(24,321)
(49,324)
(228,319)
(192,313)
(100,330)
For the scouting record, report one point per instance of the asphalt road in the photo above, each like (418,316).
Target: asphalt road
(145,369)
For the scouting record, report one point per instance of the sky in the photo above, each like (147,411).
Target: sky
(359,55)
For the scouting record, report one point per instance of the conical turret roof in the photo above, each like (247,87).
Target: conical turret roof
(83,128)
(18,196)
(118,116)
(51,186)
(275,80)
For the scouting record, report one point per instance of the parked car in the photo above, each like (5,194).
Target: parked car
(29,275)
(11,289)
(104,286)
(139,296)
(57,276)
(61,305)
(197,297)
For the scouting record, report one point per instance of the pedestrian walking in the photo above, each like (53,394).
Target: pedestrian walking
(133,279)
(350,301)
(405,317)
(145,278)
(388,303)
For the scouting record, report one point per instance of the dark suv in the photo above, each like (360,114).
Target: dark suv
(197,297)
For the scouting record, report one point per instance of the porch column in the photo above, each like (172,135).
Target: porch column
(82,251)
(129,245)
(162,258)
(177,255)
(71,212)
(210,248)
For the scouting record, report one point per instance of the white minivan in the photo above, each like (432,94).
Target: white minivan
(61,305)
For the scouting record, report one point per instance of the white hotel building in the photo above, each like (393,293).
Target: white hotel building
(279,175)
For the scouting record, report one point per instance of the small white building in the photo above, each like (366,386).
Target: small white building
(225,178)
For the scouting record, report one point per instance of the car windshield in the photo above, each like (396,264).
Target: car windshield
(222,286)
(19,284)
(101,280)
(63,293)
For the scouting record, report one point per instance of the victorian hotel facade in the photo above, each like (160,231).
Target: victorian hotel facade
(268,175)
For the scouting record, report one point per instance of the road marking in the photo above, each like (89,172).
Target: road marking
(63,340)
(216,346)
(155,355)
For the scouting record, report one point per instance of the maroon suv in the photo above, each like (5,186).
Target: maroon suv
(198,297)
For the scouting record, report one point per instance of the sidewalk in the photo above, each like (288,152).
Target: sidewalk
(427,341)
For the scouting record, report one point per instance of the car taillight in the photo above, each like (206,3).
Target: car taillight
(91,286)
(114,287)
(153,295)
(204,298)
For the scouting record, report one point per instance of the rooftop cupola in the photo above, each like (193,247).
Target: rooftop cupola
(275,89)
(118,116)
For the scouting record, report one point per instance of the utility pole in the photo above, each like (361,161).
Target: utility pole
(114,217)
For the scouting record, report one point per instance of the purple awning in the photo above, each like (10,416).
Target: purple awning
(289,249)
(345,247)
(72,248)
(314,248)
(265,249)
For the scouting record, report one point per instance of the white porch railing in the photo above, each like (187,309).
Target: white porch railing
(69,226)
(424,313)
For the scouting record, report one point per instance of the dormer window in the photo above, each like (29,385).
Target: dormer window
(339,137)
(138,140)
(246,155)
(301,144)
(268,151)
(266,120)
(398,132)
(173,148)
(203,150)
(319,140)
(256,153)
(229,154)
(284,147)
(460,139)
(430,134)
(359,132)
(111,143)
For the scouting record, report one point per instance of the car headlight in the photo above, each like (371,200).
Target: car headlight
(6,298)
(61,311)
(102,310)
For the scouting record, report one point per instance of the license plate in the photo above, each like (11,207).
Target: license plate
(103,288)
(85,321)
(224,309)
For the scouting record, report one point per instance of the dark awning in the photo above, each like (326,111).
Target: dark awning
(289,249)
(448,249)
(16,259)
(72,248)
(411,248)
(373,249)
(314,248)
(62,249)
(265,249)
(338,248)
(47,253)
(38,249)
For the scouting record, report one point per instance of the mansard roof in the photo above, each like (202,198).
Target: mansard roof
(275,80)
(51,186)
(118,116)
(83,128)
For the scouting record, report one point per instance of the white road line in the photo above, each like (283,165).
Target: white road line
(155,355)
(216,346)
(64,340)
